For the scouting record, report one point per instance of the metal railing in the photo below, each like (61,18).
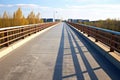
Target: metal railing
(108,37)
(11,34)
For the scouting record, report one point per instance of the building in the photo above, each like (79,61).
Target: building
(57,20)
(47,19)
(44,19)
(78,20)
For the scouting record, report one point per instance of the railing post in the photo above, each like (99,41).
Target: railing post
(95,34)
(111,49)
(29,30)
(96,40)
(6,39)
(111,43)
(22,33)
(88,35)
(36,28)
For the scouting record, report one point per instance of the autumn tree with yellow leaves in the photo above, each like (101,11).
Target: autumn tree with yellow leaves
(111,24)
(19,19)
(4,20)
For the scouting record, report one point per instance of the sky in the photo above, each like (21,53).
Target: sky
(65,9)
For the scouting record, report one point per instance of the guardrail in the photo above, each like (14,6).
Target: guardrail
(108,37)
(11,34)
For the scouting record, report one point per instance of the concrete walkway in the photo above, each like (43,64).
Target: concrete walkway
(58,54)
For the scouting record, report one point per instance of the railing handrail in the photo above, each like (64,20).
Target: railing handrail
(105,30)
(13,27)
(108,37)
(11,34)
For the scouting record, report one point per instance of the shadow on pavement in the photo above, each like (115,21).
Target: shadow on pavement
(105,64)
(59,62)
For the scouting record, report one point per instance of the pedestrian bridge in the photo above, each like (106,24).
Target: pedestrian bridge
(60,53)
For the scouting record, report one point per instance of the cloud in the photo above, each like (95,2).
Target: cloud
(9,5)
(83,1)
(27,5)
(18,5)
(93,6)
(91,11)
(23,6)
(87,0)
(1,5)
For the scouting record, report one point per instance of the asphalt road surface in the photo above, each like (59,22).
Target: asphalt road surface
(58,54)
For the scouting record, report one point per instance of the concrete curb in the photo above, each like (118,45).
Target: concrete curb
(17,44)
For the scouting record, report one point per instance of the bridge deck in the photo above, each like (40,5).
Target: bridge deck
(58,54)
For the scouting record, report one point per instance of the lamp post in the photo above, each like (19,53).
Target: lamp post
(54,14)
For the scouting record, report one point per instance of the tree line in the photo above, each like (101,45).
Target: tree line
(111,24)
(18,19)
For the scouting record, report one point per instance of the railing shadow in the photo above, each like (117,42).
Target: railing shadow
(105,64)
(59,62)
(78,70)
(75,60)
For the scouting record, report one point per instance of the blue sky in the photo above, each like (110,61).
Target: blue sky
(64,9)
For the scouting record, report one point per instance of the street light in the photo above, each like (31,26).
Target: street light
(54,15)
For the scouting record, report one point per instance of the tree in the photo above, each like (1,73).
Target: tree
(0,22)
(17,17)
(37,18)
(5,16)
(5,20)
(24,21)
(18,14)
(31,18)
(111,24)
